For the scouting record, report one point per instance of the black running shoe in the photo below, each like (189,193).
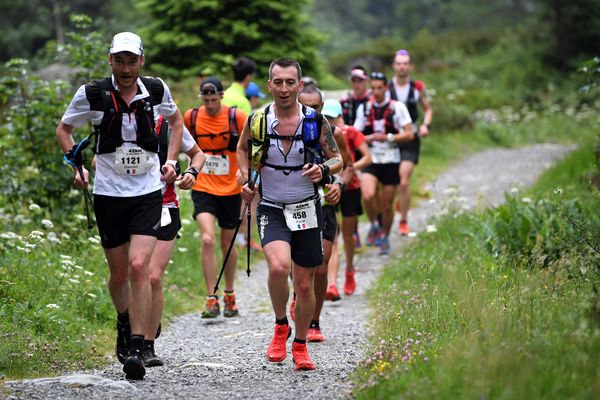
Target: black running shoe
(134,367)
(151,359)
(123,341)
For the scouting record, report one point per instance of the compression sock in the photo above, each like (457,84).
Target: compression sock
(314,324)
(301,341)
(123,318)
(283,321)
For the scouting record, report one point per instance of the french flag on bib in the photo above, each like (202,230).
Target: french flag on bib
(301,226)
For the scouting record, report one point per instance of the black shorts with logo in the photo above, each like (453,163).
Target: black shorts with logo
(330,225)
(225,208)
(120,217)
(169,232)
(410,151)
(386,174)
(350,203)
(306,246)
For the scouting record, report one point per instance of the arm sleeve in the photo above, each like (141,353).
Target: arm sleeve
(401,115)
(168,106)
(359,122)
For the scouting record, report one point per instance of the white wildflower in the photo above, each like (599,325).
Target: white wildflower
(514,190)
(88,273)
(186,221)
(65,236)
(24,249)
(34,207)
(78,267)
(67,263)
(526,200)
(412,234)
(558,191)
(93,240)
(65,257)
(9,235)
(92,295)
(81,217)
(431,228)
(46,223)
(52,305)
(53,238)
(72,280)
(182,249)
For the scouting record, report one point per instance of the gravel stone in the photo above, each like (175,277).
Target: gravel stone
(226,358)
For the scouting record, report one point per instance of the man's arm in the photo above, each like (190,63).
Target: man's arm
(403,123)
(334,163)
(366,158)
(428,113)
(64,135)
(176,122)
(348,170)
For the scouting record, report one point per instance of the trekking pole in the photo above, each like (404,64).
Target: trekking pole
(249,213)
(237,228)
(74,158)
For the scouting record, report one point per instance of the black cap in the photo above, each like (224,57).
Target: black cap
(211,85)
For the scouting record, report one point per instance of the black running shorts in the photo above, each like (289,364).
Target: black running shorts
(386,174)
(225,208)
(330,224)
(120,217)
(410,151)
(306,246)
(169,232)
(350,203)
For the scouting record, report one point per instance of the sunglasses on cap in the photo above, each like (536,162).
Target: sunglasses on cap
(378,76)
(208,89)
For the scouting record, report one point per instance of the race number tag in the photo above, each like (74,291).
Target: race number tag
(301,216)
(385,153)
(379,125)
(133,161)
(215,165)
(165,217)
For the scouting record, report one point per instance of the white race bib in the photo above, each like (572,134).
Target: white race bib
(385,153)
(301,216)
(133,160)
(215,165)
(379,125)
(165,217)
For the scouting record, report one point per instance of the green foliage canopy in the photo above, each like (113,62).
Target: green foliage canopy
(191,38)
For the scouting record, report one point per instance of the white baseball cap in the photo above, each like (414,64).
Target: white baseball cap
(127,41)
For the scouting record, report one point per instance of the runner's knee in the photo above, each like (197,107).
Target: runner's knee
(139,272)
(303,289)
(208,241)
(279,271)
(156,282)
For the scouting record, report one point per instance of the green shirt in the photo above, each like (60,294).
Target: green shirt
(235,96)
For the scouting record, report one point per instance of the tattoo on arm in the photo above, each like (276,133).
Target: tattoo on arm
(331,143)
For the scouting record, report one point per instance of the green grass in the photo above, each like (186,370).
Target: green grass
(55,311)
(457,320)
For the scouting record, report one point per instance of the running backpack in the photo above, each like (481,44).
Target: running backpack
(411,101)
(311,132)
(102,96)
(233,131)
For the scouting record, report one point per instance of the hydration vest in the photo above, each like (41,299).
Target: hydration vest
(102,96)
(411,102)
(349,107)
(311,132)
(377,113)
(233,132)
(162,130)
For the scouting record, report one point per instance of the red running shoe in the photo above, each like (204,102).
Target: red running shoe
(315,335)
(301,358)
(332,293)
(277,351)
(403,228)
(292,307)
(350,284)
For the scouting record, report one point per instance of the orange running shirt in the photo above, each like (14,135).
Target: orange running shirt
(216,144)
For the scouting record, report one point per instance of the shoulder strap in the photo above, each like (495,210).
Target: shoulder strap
(193,116)
(99,94)
(155,88)
(233,126)
(392,88)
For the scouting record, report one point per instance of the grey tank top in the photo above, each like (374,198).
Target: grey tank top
(280,186)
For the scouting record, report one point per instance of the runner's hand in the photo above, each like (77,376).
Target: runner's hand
(334,194)
(247,193)
(423,130)
(169,174)
(82,183)
(313,171)
(379,136)
(185,181)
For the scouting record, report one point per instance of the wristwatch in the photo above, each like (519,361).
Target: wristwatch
(390,137)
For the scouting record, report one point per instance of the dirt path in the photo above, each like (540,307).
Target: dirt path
(226,359)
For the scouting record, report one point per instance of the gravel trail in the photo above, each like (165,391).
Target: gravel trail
(226,358)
